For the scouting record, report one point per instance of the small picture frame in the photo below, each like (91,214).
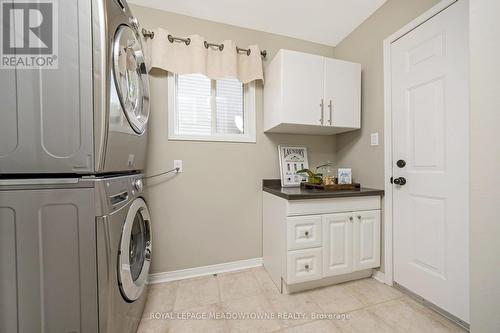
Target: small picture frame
(292,159)
(344,176)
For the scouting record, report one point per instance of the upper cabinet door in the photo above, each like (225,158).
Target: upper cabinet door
(342,94)
(303,79)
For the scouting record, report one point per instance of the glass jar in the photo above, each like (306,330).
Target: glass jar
(328,173)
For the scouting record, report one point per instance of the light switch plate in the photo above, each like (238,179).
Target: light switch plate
(374,139)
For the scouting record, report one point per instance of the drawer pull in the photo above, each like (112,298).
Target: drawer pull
(306,267)
(359,217)
(306,233)
(350,218)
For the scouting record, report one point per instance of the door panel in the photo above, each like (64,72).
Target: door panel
(426,111)
(342,93)
(337,234)
(303,80)
(366,248)
(430,98)
(427,219)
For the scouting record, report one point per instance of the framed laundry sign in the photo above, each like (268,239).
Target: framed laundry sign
(292,159)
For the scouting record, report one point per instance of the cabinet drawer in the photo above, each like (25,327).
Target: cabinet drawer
(303,232)
(332,205)
(304,265)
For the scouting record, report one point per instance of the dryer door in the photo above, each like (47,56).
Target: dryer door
(131,77)
(134,257)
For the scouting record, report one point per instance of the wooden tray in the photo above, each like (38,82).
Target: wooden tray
(334,187)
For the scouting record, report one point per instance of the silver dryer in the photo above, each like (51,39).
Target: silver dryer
(89,115)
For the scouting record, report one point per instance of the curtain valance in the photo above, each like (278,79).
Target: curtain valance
(214,62)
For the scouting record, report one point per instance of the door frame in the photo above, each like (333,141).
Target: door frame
(388,197)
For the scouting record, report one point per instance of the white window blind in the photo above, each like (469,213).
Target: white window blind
(212,110)
(229,107)
(194,111)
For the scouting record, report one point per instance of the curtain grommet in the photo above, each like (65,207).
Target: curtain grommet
(219,46)
(172,39)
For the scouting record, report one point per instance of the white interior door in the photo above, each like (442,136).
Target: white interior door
(430,108)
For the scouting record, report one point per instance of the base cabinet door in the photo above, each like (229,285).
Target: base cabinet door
(366,247)
(338,238)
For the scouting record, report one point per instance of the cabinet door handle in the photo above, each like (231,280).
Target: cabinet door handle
(350,218)
(322,109)
(359,217)
(330,106)
(306,233)
(306,267)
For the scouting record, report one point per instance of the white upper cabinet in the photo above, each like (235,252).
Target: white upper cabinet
(311,94)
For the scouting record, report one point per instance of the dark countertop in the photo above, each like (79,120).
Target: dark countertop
(273,186)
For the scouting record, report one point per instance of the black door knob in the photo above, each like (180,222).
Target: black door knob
(400,181)
(401,163)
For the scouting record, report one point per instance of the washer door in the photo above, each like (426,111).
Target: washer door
(134,257)
(131,77)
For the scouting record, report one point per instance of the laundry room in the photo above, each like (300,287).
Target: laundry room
(215,166)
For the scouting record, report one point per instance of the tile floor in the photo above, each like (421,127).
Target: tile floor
(370,307)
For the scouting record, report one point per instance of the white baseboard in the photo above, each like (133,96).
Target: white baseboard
(204,270)
(379,276)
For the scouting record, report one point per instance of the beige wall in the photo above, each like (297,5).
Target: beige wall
(211,213)
(364,45)
(485,165)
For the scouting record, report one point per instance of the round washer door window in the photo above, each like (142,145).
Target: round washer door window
(135,251)
(131,77)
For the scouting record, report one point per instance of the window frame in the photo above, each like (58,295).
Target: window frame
(249,116)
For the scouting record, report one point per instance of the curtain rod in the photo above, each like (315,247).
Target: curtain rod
(187,41)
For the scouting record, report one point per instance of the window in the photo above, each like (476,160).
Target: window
(210,110)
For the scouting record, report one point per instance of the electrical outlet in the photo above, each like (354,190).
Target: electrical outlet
(374,139)
(178,164)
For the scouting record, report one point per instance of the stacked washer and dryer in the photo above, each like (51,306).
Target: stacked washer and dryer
(75,231)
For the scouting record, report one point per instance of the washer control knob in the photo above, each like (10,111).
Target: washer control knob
(139,186)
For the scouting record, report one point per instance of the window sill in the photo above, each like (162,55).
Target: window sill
(242,139)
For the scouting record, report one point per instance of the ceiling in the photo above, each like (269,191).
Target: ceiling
(322,21)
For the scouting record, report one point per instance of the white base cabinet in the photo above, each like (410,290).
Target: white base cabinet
(314,239)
